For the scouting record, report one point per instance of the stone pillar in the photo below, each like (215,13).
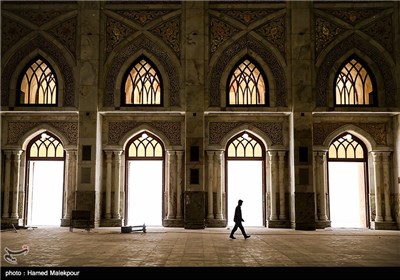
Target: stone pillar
(117,184)
(219,170)
(66,210)
(17,169)
(108,184)
(210,181)
(6,196)
(281,170)
(378,188)
(321,181)
(179,185)
(274,183)
(171,176)
(386,189)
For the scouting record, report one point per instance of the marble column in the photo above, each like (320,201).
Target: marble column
(171,176)
(281,167)
(108,184)
(66,210)
(210,182)
(6,196)
(378,188)
(386,182)
(274,183)
(321,181)
(117,184)
(218,174)
(17,173)
(179,179)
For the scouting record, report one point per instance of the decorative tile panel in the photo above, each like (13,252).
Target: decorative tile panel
(274,32)
(376,130)
(17,129)
(382,31)
(117,130)
(65,32)
(218,130)
(353,16)
(219,33)
(325,32)
(247,17)
(38,17)
(116,32)
(11,33)
(169,31)
(142,17)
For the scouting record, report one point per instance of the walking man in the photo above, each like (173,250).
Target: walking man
(238,221)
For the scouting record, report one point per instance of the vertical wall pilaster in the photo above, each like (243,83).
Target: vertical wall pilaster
(108,184)
(210,182)
(321,181)
(179,179)
(219,175)
(386,184)
(377,157)
(117,184)
(6,196)
(17,172)
(171,183)
(274,183)
(281,169)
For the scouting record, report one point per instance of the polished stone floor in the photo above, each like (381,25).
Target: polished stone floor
(203,248)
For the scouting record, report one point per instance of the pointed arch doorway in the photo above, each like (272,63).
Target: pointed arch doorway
(144,180)
(44,181)
(348,184)
(245,169)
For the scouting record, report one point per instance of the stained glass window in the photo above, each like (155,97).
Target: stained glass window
(247,85)
(142,84)
(346,147)
(145,146)
(245,146)
(37,84)
(46,146)
(354,85)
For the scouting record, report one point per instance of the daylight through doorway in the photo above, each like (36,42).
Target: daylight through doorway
(45,192)
(347,194)
(245,183)
(145,192)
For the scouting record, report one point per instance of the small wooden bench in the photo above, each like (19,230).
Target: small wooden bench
(80,219)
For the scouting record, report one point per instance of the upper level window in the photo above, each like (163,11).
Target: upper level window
(354,85)
(37,84)
(247,85)
(142,84)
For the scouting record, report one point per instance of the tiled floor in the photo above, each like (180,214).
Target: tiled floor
(203,248)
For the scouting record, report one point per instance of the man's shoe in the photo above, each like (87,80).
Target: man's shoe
(232,237)
(247,236)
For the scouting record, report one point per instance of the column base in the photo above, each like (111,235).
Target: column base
(173,222)
(322,224)
(278,224)
(65,222)
(7,223)
(216,223)
(384,226)
(111,223)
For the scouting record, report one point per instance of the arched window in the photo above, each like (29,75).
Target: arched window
(245,146)
(346,147)
(142,84)
(45,146)
(37,84)
(355,86)
(145,146)
(247,85)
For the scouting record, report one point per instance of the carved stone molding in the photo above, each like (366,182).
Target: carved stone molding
(116,32)
(376,130)
(274,32)
(17,129)
(325,32)
(117,130)
(65,32)
(353,16)
(142,17)
(382,32)
(11,32)
(169,31)
(247,17)
(218,130)
(219,33)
